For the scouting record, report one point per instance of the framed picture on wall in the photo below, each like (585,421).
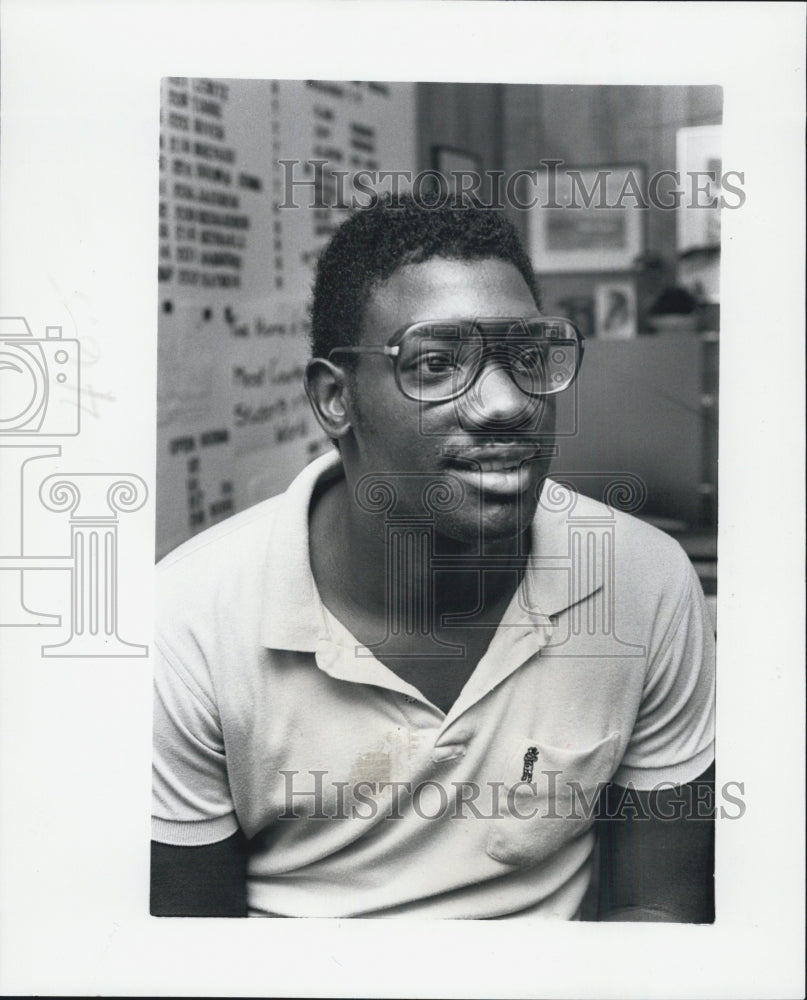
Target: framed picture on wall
(589,218)
(451,162)
(615,310)
(698,153)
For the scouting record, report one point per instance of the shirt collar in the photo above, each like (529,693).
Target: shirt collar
(571,544)
(564,568)
(293,616)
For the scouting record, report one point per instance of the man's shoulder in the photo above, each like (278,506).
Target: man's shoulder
(246,538)
(218,580)
(217,573)
(242,536)
(638,548)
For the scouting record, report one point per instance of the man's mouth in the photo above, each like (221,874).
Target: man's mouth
(492,458)
(494,469)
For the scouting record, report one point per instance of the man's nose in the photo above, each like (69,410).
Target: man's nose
(494,398)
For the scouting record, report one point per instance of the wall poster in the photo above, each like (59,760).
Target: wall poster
(238,159)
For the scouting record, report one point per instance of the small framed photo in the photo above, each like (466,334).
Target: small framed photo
(452,163)
(615,310)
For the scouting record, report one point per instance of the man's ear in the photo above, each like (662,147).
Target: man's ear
(325,385)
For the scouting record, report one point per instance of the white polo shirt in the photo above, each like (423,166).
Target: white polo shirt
(361,798)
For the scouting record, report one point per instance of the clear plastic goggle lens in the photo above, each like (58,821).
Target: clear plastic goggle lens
(441,361)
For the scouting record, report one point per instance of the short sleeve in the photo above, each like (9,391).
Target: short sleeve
(192,804)
(673,736)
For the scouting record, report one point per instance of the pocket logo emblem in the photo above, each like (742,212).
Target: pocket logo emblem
(530,758)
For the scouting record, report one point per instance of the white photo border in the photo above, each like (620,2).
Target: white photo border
(80,125)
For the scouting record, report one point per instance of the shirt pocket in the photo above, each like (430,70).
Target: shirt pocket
(548,798)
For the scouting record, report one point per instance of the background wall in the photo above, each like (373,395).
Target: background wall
(238,243)
(513,127)
(650,405)
(233,422)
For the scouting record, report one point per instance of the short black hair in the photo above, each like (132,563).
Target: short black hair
(392,231)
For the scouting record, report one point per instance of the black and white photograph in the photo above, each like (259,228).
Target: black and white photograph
(442,643)
(380,548)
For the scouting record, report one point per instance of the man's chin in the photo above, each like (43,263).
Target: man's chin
(498,518)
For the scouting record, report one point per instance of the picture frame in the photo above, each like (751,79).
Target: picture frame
(698,153)
(587,218)
(449,161)
(615,310)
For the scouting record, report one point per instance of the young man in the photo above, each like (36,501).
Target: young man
(401,687)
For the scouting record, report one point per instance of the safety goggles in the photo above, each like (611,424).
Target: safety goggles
(438,360)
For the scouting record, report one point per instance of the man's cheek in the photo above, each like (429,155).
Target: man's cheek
(546,415)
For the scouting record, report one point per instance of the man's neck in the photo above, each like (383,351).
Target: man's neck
(430,622)
(358,559)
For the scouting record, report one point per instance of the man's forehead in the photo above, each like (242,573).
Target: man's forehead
(441,288)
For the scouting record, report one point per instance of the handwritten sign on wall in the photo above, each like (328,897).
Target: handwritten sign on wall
(249,171)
